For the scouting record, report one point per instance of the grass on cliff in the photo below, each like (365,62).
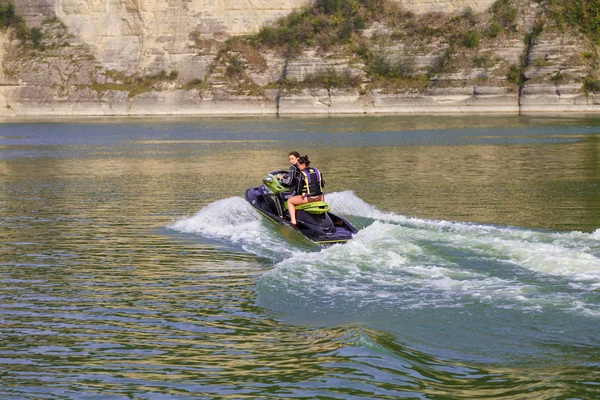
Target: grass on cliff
(325,24)
(583,15)
(234,59)
(565,17)
(328,78)
(388,51)
(461,42)
(8,16)
(10,19)
(135,85)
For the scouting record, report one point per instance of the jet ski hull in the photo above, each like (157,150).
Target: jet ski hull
(323,228)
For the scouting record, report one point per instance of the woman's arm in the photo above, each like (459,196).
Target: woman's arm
(290,179)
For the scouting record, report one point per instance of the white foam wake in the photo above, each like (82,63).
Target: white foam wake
(573,254)
(405,262)
(385,264)
(399,261)
(224,218)
(233,220)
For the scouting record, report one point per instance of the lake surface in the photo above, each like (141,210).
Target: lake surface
(131,266)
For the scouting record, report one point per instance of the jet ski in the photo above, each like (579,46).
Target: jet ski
(313,219)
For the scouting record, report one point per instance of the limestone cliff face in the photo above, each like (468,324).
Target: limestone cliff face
(445,6)
(150,35)
(105,57)
(557,64)
(35,11)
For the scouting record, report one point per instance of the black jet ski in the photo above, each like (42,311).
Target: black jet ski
(313,219)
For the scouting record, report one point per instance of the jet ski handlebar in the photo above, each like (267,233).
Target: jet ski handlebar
(276,174)
(279,172)
(273,182)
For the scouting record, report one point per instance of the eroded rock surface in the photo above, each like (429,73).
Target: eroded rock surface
(176,57)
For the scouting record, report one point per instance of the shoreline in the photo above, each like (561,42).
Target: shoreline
(116,118)
(190,103)
(555,113)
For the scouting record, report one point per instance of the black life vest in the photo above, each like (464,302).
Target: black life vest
(312,182)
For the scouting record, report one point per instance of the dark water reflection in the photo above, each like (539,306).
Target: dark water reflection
(98,298)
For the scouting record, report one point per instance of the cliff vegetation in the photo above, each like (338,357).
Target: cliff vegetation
(392,50)
(10,19)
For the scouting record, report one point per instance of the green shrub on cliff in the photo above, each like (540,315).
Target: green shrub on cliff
(403,67)
(584,15)
(330,78)
(235,67)
(8,16)
(10,19)
(471,39)
(494,29)
(36,37)
(591,85)
(326,23)
(514,74)
(505,13)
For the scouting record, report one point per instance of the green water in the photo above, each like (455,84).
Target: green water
(131,266)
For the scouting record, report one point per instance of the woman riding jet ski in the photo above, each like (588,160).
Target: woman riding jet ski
(310,183)
(306,212)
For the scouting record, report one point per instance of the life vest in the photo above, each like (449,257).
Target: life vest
(312,182)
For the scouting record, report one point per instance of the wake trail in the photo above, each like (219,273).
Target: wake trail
(449,254)
(405,262)
(234,221)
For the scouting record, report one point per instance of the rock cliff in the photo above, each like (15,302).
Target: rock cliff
(196,57)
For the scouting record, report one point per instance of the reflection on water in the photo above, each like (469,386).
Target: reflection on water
(101,296)
(530,176)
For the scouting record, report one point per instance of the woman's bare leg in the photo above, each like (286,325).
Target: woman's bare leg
(291,202)
(292,211)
